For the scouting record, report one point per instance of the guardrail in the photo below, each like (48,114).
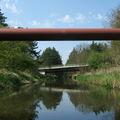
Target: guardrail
(62,67)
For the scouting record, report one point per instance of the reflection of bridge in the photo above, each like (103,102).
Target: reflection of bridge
(62,69)
(52,89)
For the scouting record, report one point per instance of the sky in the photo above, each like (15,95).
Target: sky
(58,14)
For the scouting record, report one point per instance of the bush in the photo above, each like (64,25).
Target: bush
(97,60)
(7,81)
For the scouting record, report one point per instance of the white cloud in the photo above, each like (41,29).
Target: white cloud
(48,24)
(66,19)
(1,6)
(44,24)
(11,5)
(35,23)
(80,18)
(8,1)
(14,23)
(100,17)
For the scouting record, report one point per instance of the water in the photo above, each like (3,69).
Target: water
(44,103)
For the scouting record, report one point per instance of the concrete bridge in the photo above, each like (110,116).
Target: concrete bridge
(63,69)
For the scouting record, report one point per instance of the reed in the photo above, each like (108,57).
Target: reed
(108,80)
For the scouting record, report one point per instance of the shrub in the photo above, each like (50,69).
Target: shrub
(97,60)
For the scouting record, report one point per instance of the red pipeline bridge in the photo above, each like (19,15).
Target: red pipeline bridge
(59,34)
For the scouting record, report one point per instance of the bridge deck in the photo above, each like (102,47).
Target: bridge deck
(62,68)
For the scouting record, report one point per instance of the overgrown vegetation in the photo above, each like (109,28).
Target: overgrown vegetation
(96,55)
(108,80)
(20,62)
(100,56)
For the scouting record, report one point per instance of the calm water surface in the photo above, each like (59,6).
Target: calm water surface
(43,103)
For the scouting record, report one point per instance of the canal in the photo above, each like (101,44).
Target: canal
(57,103)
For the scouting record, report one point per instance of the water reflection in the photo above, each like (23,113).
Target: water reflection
(35,103)
(50,99)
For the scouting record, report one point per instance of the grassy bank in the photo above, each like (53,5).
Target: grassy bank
(107,78)
(11,78)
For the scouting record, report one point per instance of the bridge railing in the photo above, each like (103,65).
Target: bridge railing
(58,66)
(63,67)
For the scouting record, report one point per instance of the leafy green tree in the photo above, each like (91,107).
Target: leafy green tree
(2,20)
(114,18)
(114,22)
(79,55)
(99,56)
(72,57)
(15,55)
(32,50)
(98,47)
(96,60)
(20,55)
(95,54)
(51,57)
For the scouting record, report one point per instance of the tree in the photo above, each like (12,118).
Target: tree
(2,20)
(95,54)
(32,50)
(99,56)
(98,47)
(72,57)
(96,60)
(15,55)
(79,55)
(51,57)
(114,18)
(114,22)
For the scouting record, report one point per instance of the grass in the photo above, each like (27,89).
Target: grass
(105,79)
(10,79)
(14,78)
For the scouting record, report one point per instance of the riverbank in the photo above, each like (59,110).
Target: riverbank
(109,78)
(14,78)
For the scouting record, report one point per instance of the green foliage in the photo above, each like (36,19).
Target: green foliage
(32,49)
(96,60)
(114,18)
(98,47)
(108,80)
(72,57)
(50,57)
(2,20)
(96,55)
(16,55)
(79,55)
(115,52)
(50,79)
(22,56)
(114,22)
(7,81)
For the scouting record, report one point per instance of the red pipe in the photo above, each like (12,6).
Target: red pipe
(59,34)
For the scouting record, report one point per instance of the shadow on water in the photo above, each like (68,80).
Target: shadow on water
(51,103)
(63,80)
